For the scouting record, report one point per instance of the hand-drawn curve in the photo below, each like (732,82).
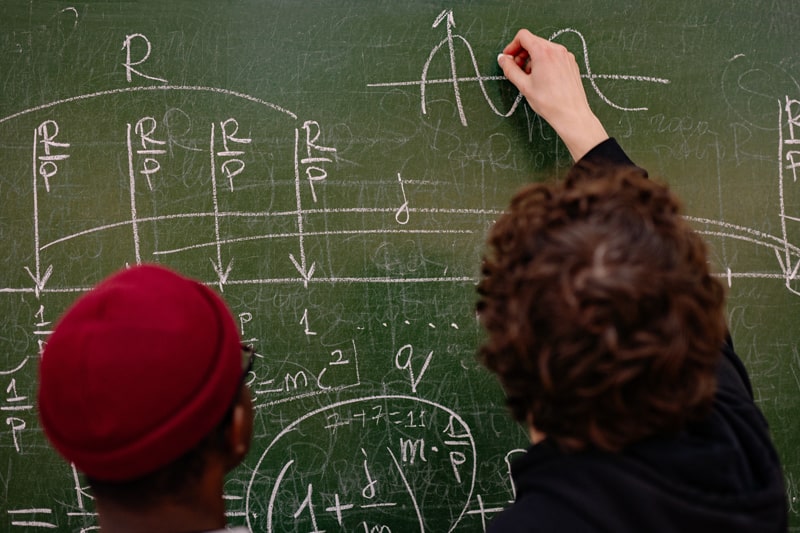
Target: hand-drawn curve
(455,79)
(330,415)
(147,88)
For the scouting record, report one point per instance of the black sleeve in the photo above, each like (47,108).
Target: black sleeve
(608,152)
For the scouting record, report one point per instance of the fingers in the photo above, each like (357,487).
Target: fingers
(517,55)
(548,76)
(531,62)
(511,69)
(524,42)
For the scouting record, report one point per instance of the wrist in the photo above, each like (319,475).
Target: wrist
(582,135)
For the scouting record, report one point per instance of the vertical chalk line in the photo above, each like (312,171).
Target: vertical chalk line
(301,267)
(36,242)
(784,233)
(719,195)
(218,267)
(452,51)
(132,182)
(355,356)
(39,280)
(298,199)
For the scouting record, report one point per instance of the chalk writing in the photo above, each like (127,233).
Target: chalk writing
(402,214)
(307,327)
(287,382)
(789,127)
(231,165)
(402,361)
(353,279)
(128,45)
(47,158)
(32,518)
(381,473)
(144,129)
(786,253)
(456,81)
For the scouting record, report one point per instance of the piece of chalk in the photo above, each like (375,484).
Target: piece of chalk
(499,56)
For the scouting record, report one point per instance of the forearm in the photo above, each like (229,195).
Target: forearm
(581,135)
(548,76)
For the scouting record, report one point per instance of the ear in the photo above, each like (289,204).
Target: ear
(534,434)
(240,431)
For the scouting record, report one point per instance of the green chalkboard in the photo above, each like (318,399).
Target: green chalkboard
(331,167)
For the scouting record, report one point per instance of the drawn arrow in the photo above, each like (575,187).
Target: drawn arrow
(38,279)
(446,14)
(451,23)
(222,275)
(301,267)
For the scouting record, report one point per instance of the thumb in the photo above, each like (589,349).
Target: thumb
(511,70)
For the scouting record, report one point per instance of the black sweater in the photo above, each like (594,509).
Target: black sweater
(719,475)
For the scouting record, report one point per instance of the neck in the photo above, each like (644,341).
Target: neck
(201,510)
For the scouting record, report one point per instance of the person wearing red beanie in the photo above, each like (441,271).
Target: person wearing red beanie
(141,386)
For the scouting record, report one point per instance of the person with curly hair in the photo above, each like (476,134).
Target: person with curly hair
(607,331)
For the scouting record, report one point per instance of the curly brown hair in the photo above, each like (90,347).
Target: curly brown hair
(604,322)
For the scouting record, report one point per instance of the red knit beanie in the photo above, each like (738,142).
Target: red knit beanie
(137,372)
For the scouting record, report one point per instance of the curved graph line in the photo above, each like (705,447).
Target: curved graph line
(591,78)
(454,79)
(517,100)
(480,79)
(88,96)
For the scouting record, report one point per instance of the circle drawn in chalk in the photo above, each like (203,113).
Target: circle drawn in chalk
(388,463)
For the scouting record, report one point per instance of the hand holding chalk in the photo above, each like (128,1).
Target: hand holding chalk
(548,76)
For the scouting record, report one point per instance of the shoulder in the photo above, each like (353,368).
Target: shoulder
(546,481)
(732,374)
(539,513)
(734,404)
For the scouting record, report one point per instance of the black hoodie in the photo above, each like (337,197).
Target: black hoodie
(718,475)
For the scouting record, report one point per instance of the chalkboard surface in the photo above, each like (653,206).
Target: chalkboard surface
(331,168)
